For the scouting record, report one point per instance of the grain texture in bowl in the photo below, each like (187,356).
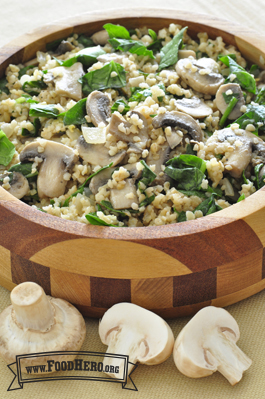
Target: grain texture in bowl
(173,270)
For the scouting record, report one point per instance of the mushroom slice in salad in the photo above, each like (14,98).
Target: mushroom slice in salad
(194,107)
(178,120)
(100,38)
(124,198)
(18,183)
(159,159)
(98,107)
(55,160)
(97,154)
(202,75)
(223,96)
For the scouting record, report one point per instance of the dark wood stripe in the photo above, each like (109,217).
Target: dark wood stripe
(106,292)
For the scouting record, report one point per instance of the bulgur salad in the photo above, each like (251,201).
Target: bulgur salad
(133,128)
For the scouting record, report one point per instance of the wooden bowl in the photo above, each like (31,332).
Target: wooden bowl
(173,270)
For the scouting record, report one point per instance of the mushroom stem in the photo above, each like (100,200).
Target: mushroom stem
(232,362)
(122,342)
(32,308)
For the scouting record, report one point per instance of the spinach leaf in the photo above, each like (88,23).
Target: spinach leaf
(116,31)
(76,114)
(26,98)
(24,169)
(95,220)
(140,94)
(197,193)
(260,99)
(103,78)
(190,150)
(87,57)
(229,97)
(152,34)
(108,205)
(148,176)
(254,70)
(188,160)
(181,217)
(242,76)
(81,188)
(241,198)
(117,104)
(133,46)
(7,149)
(24,70)
(147,200)
(259,181)
(208,206)
(254,114)
(32,133)
(169,53)
(85,41)
(34,87)
(228,111)
(3,88)
(47,111)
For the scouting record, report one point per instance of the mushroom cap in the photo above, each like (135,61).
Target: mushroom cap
(67,332)
(66,80)
(194,107)
(205,79)
(98,107)
(57,159)
(19,185)
(222,105)
(101,37)
(152,338)
(208,343)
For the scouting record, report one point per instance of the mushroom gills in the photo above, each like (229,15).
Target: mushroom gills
(19,185)
(98,107)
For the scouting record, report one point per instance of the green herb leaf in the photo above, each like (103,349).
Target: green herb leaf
(254,70)
(34,132)
(101,79)
(188,160)
(108,205)
(96,221)
(228,111)
(116,31)
(117,104)
(255,114)
(196,193)
(148,176)
(47,111)
(76,114)
(85,41)
(208,206)
(152,34)
(34,87)
(259,181)
(242,76)
(229,97)
(7,149)
(147,201)
(133,46)
(140,94)
(87,57)
(3,88)
(181,217)
(24,70)
(241,198)
(260,99)
(24,169)
(169,53)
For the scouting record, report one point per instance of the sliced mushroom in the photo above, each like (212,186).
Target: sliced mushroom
(108,57)
(63,47)
(194,107)
(201,75)
(261,80)
(57,160)
(230,88)
(114,129)
(159,159)
(19,185)
(208,344)
(101,37)
(186,53)
(125,197)
(98,107)
(178,120)
(97,154)
(66,80)
(131,330)
(37,323)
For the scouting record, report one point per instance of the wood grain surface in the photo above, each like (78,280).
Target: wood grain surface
(173,270)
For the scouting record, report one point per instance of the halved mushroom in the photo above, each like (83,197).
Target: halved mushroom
(97,154)
(101,37)
(131,330)
(201,75)
(37,323)
(194,107)
(19,185)
(98,107)
(185,54)
(66,80)
(159,159)
(208,344)
(178,120)
(57,160)
(230,89)
(115,129)
(125,197)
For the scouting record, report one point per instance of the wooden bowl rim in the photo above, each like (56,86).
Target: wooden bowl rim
(245,208)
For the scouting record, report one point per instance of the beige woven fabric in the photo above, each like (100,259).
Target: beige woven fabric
(163,381)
